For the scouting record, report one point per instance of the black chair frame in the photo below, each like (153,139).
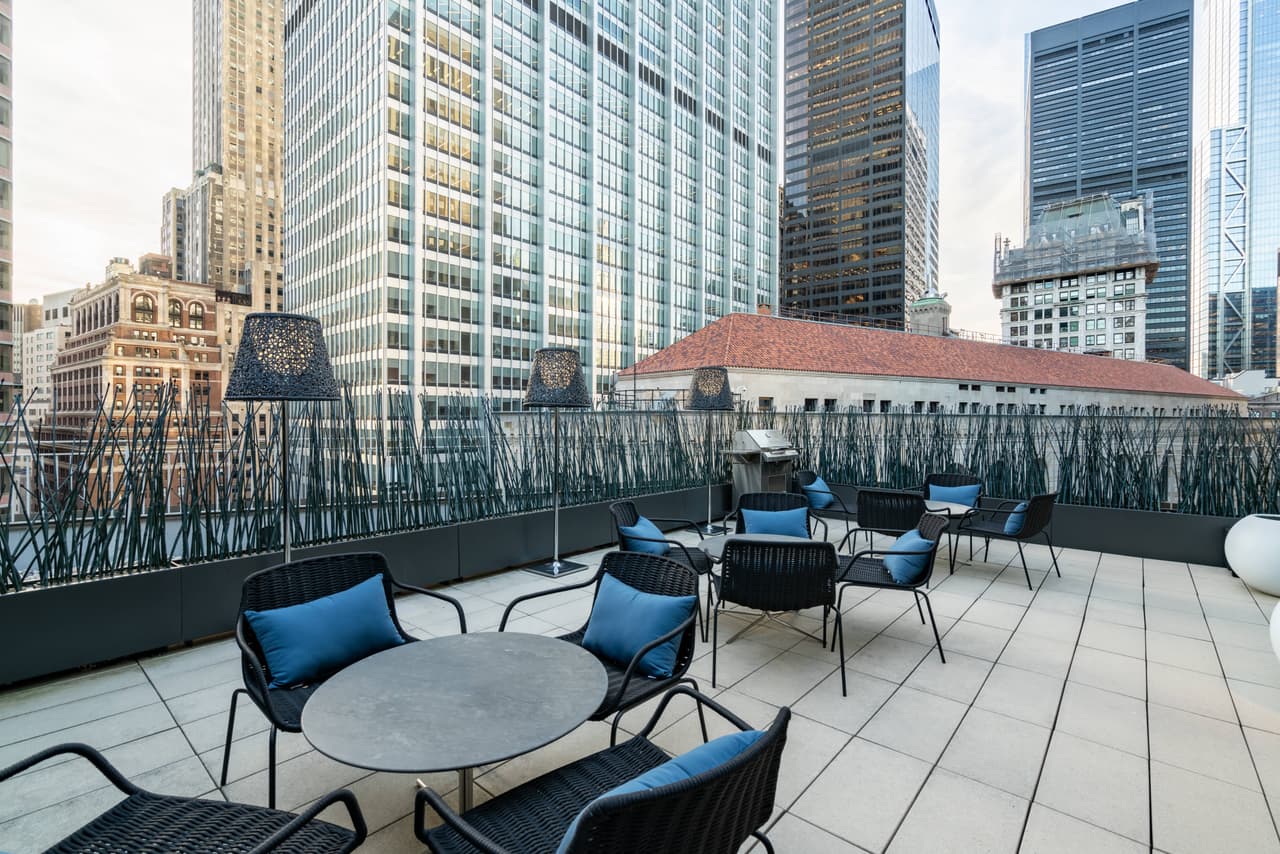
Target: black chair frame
(775,578)
(712,813)
(954,478)
(867,569)
(625,514)
(1036,522)
(885,511)
(651,574)
(802,484)
(292,584)
(773,502)
(147,821)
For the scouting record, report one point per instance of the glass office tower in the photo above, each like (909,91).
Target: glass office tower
(1236,222)
(469,181)
(860,208)
(1108,110)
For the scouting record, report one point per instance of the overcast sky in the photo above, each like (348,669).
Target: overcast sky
(102,116)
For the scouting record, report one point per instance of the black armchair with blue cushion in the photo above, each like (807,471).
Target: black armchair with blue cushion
(631,798)
(1016,522)
(823,501)
(776,513)
(301,622)
(642,627)
(906,564)
(961,492)
(636,533)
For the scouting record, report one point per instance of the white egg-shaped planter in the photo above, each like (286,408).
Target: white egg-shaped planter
(1253,552)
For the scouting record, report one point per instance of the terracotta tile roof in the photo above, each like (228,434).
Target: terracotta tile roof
(766,342)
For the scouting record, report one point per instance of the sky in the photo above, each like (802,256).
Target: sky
(102,131)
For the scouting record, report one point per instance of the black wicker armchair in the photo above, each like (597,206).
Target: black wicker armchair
(293,584)
(712,813)
(625,515)
(802,483)
(649,574)
(886,511)
(146,821)
(991,522)
(773,502)
(948,480)
(867,569)
(775,577)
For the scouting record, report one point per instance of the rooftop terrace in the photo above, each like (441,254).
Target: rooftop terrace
(1130,705)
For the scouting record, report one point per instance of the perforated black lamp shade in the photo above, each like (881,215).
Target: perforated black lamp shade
(709,390)
(281,357)
(556,379)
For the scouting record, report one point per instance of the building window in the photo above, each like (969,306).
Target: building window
(175,313)
(144,309)
(196,313)
(964,407)
(886,405)
(934,406)
(829,404)
(765,404)
(810,404)
(868,406)
(918,406)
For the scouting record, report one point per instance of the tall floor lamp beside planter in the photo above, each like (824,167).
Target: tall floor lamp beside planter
(282,357)
(709,392)
(556,382)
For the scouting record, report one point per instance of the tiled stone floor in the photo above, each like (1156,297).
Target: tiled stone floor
(1131,705)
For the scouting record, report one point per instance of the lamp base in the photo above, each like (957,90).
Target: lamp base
(709,530)
(555,568)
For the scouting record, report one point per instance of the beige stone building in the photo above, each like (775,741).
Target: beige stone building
(226,228)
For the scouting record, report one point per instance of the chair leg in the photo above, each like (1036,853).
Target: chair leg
(702,626)
(764,840)
(702,718)
(715,638)
(231,726)
(1052,553)
(1023,558)
(839,633)
(825,609)
(986,551)
(937,637)
(271,769)
(951,552)
(919,610)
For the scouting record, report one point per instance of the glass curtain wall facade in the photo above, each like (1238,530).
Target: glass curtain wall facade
(1236,219)
(1109,109)
(7,366)
(469,181)
(860,206)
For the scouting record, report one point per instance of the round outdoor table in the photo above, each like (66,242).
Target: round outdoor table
(714,546)
(952,511)
(454,703)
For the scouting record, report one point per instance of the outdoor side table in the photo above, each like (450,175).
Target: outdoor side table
(714,546)
(454,703)
(953,512)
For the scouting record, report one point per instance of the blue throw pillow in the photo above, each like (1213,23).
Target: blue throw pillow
(966,495)
(303,642)
(1018,518)
(701,759)
(907,568)
(790,523)
(819,494)
(643,528)
(624,619)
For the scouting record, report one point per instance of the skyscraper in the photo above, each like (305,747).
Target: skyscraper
(7,366)
(468,182)
(232,215)
(1236,198)
(1108,110)
(860,214)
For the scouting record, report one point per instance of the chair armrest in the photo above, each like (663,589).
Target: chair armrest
(428,798)
(826,532)
(255,666)
(304,818)
(684,523)
(457,606)
(502,626)
(698,697)
(82,750)
(844,508)
(654,644)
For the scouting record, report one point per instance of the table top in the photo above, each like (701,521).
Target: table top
(714,546)
(454,702)
(949,508)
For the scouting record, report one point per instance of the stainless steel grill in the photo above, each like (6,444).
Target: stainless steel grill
(762,460)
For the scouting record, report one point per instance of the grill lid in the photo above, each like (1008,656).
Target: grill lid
(761,440)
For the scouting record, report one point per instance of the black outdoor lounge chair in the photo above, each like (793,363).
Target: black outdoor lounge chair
(802,484)
(712,813)
(773,502)
(293,584)
(886,511)
(990,526)
(867,569)
(625,515)
(776,577)
(952,479)
(146,821)
(649,574)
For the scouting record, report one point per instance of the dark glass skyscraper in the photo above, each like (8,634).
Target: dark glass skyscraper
(860,212)
(1108,109)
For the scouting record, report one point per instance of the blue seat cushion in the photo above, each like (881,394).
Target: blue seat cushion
(819,494)
(643,528)
(304,642)
(966,495)
(1018,518)
(907,568)
(790,523)
(701,759)
(624,619)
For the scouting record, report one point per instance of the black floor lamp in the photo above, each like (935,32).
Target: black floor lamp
(709,392)
(282,357)
(556,381)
